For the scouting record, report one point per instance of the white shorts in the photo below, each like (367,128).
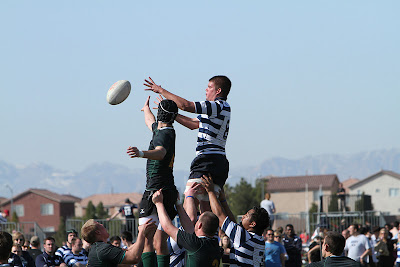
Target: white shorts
(203,196)
(154,218)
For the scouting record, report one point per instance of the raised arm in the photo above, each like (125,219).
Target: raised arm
(134,252)
(214,203)
(225,206)
(149,118)
(182,103)
(191,123)
(184,219)
(190,202)
(165,221)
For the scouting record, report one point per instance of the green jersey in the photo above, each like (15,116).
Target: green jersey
(200,251)
(160,172)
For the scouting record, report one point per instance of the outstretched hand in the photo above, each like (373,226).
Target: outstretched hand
(208,183)
(157,196)
(146,104)
(157,102)
(152,86)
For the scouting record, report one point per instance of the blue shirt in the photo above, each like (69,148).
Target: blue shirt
(273,253)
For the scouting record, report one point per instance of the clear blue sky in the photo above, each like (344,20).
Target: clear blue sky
(309,77)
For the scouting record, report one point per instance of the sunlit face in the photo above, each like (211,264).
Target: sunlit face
(270,236)
(19,241)
(289,231)
(17,250)
(49,246)
(351,229)
(102,231)
(70,236)
(345,234)
(77,246)
(225,241)
(277,237)
(247,219)
(212,92)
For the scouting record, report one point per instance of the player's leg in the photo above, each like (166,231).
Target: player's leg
(146,208)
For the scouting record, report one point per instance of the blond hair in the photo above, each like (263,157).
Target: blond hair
(88,231)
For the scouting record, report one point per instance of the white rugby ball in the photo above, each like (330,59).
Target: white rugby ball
(118,92)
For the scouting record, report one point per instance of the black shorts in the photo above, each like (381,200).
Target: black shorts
(147,207)
(215,164)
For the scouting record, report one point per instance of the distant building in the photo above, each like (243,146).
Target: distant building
(111,202)
(43,207)
(384,188)
(290,195)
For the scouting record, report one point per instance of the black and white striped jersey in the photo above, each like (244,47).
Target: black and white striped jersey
(213,126)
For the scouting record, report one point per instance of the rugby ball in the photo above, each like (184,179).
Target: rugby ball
(118,92)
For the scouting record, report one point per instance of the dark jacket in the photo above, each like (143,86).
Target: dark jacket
(341,261)
(293,248)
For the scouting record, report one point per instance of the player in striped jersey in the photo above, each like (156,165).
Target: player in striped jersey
(213,124)
(75,256)
(248,243)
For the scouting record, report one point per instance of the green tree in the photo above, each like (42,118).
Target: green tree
(61,233)
(242,197)
(101,213)
(90,211)
(14,217)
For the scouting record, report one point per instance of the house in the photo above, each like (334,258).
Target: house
(384,188)
(294,194)
(43,207)
(111,202)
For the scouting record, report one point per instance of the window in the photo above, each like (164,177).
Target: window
(19,209)
(394,192)
(47,209)
(49,229)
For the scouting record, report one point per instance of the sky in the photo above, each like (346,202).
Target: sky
(308,77)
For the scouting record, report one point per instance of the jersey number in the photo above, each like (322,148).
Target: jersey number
(226,130)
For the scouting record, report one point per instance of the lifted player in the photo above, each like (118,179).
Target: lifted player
(160,161)
(213,125)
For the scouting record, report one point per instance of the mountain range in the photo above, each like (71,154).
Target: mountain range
(108,177)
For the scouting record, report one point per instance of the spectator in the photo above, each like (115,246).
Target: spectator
(293,247)
(341,193)
(373,239)
(19,239)
(48,257)
(346,233)
(35,251)
(65,249)
(127,239)
(26,246)
(358,246)
(17,250)
(389,228)
(3,216)
(274,251)
(269,206)
(6,244)
(103,254)
(226,249)
(332,249)
(385,248)
(75,257)
(115,241)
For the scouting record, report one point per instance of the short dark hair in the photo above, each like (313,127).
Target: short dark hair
(396,224)
(355,226)
(73,240)
(210,223)
(315,254)
(336,242)
(49,238)
(6,244)
(127,236)
(261,218)
(115,238)
(223,82)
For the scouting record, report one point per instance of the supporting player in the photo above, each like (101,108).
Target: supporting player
(213,125)
(160,161)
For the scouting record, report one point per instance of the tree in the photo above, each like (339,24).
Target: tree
(242,197)
(60,235)
(90,211)
(101,213)
(14,217)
